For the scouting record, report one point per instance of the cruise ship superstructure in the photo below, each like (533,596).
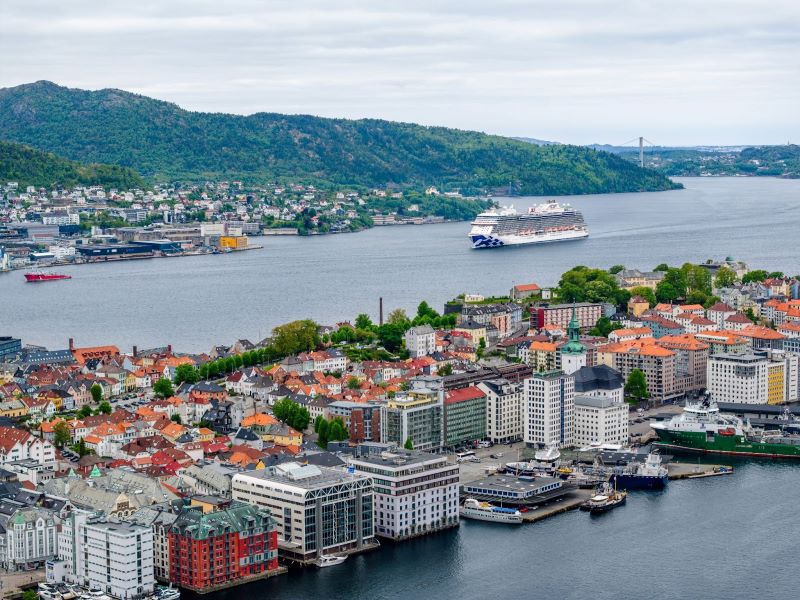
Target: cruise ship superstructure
(505,226)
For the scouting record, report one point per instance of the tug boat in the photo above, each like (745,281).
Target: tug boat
(604,500)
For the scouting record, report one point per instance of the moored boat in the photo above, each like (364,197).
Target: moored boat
(649,475)
(329,561)
(483,511)
(702,428)
(604,500)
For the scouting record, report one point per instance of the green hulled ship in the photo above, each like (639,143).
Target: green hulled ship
(701,428)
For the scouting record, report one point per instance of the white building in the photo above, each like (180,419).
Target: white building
(18,444)
(758,378)
(503,410)
(416,415)
(319,511)
(420,341)
(600,420)
(549,409)
(111,556)
(61,218)
(27,538)
(415,493)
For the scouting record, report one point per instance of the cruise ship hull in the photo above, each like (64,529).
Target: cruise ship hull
(480,241)
(735,445)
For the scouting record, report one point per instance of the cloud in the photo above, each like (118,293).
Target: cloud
(717,71)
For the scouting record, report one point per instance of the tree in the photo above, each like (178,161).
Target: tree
(30,595)
(322,434)
(616,269)
(353,383)
(176,418)
(666,292)
(80,448)
(662,267)
(363,321)
(445,369)
(163,388)
(646,293)
(756,275)
(636,387)
(61,434)
(398,315)
(750,314)
(725,277)
(295,337)
(290,412)
(186,374)
(97,393)
(85,411)
(604,326)
(104,408)
(425,310)
(409,445)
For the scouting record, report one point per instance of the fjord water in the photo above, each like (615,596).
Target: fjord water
(197,302)
(731,537)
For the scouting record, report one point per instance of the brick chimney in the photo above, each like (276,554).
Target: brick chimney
(71,344)
(135,351)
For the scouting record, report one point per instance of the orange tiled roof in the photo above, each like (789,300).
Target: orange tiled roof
(761,333)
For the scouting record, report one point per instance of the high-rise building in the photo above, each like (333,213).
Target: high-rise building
(319,511)
(464,416)
(503,410)
(112,556)
(549,409)
(416,415)
(415,492)
(768,377)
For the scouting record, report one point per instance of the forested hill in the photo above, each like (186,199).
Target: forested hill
(163,141)
(29,166)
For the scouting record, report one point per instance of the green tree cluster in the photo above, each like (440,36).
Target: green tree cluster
(582,284)
(636,387)
(332,430)
(290,412)
(163,388)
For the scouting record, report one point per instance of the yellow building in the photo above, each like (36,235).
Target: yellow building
(475,331)
(282,435)
(234,242)
(637,306)
(775,383)
(13,408)
(542,356)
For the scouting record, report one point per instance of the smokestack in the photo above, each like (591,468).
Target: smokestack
(135,351)
(380,311)
(169,348)
(71,344)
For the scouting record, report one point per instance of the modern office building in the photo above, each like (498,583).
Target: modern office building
(416,415)
(600,420)
(319,511)
(549,409)
(415,493)
(464,416)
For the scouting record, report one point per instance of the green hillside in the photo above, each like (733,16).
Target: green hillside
(29,166)
(163,141)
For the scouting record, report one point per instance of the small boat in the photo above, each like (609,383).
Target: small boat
(37,277)
(604,500)
(329,561)
(483,511)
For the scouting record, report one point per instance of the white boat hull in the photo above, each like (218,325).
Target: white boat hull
(492,517)
(482,241)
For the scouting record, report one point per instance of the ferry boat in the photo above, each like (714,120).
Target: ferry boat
(702,428)
(483,511)
(604,500)
(36,277)
(649,475)
(505,226)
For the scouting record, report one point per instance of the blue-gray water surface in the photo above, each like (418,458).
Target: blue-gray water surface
(732,537)
(197,302)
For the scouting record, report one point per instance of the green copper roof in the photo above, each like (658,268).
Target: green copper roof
(573,346)
(95,472)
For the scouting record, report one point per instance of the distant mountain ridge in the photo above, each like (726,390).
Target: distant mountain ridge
(164,142)
(29,166)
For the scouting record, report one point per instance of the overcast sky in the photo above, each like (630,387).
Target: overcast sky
(580,71)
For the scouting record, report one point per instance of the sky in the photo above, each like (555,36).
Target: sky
(678,72)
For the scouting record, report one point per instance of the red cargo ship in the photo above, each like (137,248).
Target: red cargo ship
(34,277)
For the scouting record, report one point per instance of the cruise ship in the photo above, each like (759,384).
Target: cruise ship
(505,226)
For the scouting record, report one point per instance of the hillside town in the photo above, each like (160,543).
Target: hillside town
(124,470)
(41,227)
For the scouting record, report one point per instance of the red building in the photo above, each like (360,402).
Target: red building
(210,550)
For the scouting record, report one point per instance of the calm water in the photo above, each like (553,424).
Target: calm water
(728,537)
(197,302)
